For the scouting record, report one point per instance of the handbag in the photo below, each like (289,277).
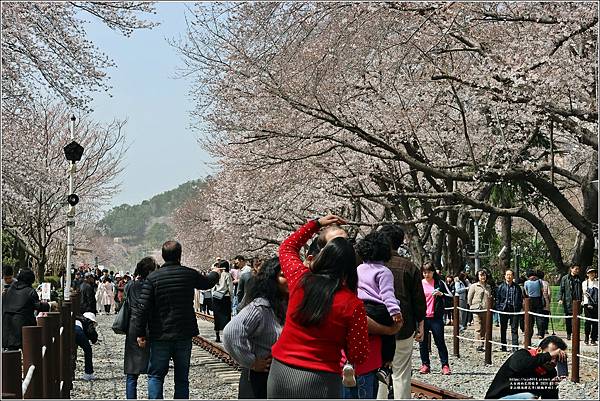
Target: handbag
(121,323)
(218,295)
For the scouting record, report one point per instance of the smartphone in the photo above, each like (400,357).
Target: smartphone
(562,368)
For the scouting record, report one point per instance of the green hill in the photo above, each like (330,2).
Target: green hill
(148,221)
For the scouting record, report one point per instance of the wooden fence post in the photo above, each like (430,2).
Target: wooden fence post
(489,317)
(455,324)
(33,355)
(575,345)
(526,324)
(65,350)
(11,374)
(55,317)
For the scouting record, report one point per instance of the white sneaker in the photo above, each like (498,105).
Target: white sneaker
(348,372)
(89,377)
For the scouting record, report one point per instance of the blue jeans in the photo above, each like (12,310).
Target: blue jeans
(158,366)
(519,396)
(131,387)
(365,386)
(436,325)
(82,341)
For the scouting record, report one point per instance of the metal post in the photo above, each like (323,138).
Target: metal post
(476,245)
(11,374)
(33,356)
(526,324)
(455,324)
(65,350)
(575,342)
(70,221)
(488,331)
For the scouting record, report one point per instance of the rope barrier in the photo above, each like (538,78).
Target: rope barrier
(588,318)
(470,339)
(43,350)
(471,310)
(27,380)
(505,345)
(450,308)
(587,357)
(507,313)
(551,316)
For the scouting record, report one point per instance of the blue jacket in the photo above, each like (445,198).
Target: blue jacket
(502,297)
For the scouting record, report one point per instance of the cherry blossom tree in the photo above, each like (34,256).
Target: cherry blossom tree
(35,184)
(44,48)
(434,108)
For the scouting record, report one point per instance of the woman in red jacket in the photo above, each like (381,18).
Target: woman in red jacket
(324,317)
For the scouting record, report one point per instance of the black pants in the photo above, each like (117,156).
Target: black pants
(222,309)
(380,314)
(591,327)
(545,322)
(514,326)
(536,306)
(206,306)
(107,308)
(569,320)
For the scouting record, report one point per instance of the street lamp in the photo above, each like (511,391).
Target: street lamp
(73,153)
(476,215)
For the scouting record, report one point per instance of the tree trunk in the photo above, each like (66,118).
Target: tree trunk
(437,249)
(584,250)
(506,242)
(453,260)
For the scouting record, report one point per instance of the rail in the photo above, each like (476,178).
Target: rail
(421,390)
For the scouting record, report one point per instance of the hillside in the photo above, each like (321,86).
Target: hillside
(147,222)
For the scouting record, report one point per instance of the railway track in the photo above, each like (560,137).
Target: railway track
(419,389)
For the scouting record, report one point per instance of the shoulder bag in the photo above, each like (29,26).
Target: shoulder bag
(121,323)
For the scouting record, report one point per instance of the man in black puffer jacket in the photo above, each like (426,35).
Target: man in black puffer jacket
(167,307)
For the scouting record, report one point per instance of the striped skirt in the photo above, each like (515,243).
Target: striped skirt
(289,382)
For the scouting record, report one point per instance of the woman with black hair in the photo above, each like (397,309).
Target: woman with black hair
(221,298)
(136,358)
(435,290)
(324,317)
(252,332)
(479,293)
(19,303)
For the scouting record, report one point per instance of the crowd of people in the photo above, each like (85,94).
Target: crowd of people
(337,321)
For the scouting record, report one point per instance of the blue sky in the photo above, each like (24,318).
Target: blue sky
(163,152)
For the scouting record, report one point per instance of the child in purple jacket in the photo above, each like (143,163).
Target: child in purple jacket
(376,289)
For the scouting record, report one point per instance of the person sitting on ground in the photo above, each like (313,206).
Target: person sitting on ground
(376,290)
(249,336)
(530,374)
(85,331)
(324,317)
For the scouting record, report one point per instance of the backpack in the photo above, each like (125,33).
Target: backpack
(592,294)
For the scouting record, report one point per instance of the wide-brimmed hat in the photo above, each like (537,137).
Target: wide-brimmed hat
(591,269)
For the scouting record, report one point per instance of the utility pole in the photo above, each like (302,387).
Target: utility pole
(73,153)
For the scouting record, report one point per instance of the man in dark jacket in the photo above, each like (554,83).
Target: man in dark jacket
(409,290)
(509,298)
(19,303)
(167,307)
(570,290)
(88,295)
(528,374)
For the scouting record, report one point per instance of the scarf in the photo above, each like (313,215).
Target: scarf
(539,370)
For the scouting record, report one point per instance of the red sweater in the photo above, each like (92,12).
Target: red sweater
(319,347)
